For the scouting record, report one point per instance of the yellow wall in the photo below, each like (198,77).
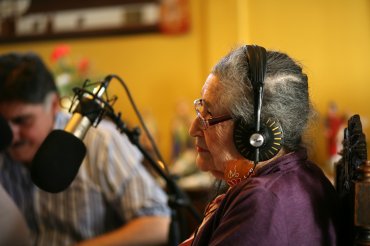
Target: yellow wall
(331,38)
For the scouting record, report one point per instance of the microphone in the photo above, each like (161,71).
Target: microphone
(59,157)
(6,134)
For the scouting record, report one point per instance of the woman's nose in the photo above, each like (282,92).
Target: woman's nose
(195,129)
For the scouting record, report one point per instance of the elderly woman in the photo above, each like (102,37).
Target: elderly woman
(253,111)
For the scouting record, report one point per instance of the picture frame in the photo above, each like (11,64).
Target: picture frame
(31,20)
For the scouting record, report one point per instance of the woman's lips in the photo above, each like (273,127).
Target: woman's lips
(200,149)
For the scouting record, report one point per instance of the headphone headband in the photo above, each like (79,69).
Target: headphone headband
(257,59)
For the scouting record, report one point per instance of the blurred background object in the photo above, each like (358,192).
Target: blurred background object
(335,122)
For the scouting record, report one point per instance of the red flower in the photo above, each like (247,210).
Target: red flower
(59,52)
(83,66)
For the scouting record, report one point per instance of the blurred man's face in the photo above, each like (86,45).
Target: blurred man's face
(30,124)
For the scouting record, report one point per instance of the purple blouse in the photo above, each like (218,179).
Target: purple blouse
(287,202)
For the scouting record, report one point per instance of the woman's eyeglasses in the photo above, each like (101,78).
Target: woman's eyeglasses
(201,111)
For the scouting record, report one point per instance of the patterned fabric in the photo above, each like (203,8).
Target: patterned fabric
(238,170)
(111,188)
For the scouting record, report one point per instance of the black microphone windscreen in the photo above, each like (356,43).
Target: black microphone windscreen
(57,161)
(6,134)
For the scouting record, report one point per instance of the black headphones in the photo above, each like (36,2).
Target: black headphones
(263,140)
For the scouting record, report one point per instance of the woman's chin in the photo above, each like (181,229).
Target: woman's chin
(206,165)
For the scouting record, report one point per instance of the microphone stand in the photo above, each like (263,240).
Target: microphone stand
(177,198)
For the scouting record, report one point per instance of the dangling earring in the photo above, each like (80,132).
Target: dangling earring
(237,170)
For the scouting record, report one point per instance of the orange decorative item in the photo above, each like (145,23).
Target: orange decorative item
(174,16)
(237,170)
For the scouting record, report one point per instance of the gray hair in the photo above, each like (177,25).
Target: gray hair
(285,97)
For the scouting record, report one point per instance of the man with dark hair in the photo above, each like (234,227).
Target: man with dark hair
(112,200)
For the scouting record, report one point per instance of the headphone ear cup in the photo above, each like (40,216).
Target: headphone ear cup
(272,139)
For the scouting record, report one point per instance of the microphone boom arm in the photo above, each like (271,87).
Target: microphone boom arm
(177,198)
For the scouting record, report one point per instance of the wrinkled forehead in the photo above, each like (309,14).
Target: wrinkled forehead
(211,92)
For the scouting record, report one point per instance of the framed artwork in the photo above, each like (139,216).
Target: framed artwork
(27,20)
